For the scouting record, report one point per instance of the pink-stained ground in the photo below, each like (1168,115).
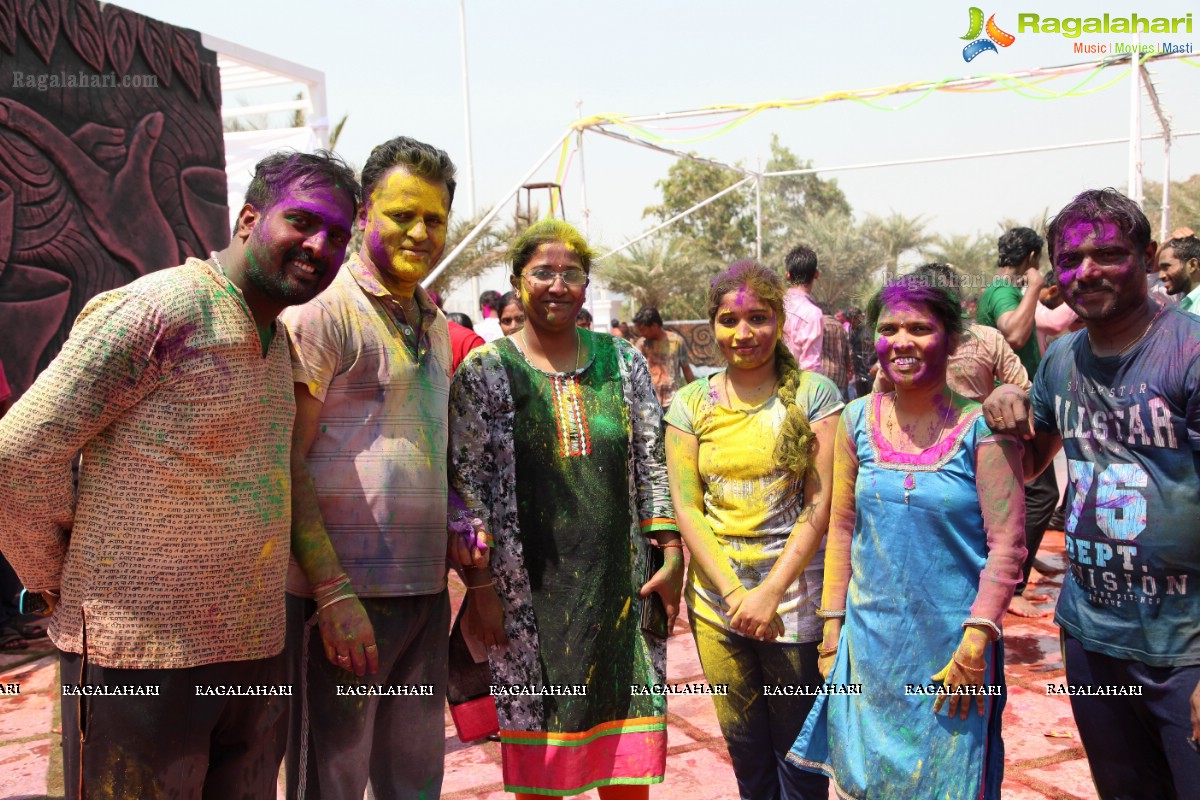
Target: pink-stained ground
(1044,758)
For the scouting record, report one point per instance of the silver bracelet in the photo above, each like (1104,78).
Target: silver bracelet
(334,600)
(825,613)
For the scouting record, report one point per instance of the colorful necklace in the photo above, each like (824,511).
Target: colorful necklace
(570,418)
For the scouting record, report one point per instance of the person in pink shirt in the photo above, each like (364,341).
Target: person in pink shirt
(803,330)
(1052,317)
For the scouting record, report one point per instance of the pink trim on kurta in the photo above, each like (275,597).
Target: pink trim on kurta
(561,767)
(932,458)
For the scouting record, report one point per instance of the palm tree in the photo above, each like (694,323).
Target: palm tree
(1184,200)
(1038,222)
(897,234)
(485,250)
(665,272)
(973,256)
(850,260)
(336,132)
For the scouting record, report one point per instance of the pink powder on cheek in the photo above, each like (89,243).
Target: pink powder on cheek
(882,347)
(937,353)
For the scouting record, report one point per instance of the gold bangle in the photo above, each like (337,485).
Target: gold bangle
(338,590)
(826,651)
(965,668)
(669,544)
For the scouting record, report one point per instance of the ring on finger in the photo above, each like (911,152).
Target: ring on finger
(371,647)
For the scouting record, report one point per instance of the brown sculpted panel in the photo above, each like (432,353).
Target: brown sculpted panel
(701,344)
(111,163)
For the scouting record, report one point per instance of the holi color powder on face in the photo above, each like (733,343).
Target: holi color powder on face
(746,329)
(554,306)
(911,344)
(1099,272)
(296,247)
(405,226)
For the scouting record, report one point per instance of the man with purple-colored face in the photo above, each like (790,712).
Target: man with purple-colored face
(166,575)
(371,361)
(1122,398)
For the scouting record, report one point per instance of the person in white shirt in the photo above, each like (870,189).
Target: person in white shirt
(1179,268)
(490,307)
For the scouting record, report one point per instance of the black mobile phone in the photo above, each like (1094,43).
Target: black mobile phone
(32,603)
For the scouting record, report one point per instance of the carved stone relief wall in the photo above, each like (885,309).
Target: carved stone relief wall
(111,163)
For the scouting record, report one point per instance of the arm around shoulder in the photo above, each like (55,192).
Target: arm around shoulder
(999,478)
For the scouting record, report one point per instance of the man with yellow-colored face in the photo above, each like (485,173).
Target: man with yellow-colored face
(372,363)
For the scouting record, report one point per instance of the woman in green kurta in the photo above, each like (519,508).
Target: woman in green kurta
(556,445)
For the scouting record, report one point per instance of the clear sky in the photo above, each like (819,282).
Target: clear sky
(395,67)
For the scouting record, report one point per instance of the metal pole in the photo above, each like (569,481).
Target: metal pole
(889,91)
(676,218)
(988,154)
(1164,124)
(587,213)
(470,237)
(758,179)
(1135,125)
(1166,190)
(462,29)
(676,153)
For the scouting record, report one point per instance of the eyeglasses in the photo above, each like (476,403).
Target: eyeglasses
(546,277)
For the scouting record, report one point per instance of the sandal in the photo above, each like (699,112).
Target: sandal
(10,639)
(30,630)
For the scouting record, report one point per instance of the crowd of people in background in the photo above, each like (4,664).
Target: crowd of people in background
(284,451)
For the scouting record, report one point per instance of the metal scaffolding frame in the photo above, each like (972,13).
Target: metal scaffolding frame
(603,126)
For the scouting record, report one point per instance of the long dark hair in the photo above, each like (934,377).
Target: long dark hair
(794,447)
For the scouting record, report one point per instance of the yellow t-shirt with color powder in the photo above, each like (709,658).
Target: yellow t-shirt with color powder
(751,504)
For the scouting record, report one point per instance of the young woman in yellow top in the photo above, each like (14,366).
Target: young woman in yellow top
(749,453)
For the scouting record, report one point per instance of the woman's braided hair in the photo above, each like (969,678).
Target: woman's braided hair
(794,447)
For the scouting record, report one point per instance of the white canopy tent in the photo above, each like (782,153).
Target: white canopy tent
(300,88)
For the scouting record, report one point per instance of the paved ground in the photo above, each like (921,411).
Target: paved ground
(1044,756)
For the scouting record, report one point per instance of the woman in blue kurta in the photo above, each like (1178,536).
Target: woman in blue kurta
(925,547)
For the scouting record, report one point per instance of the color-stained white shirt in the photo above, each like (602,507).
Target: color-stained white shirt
(379,457)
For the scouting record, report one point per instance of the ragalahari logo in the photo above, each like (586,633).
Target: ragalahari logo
(995,36)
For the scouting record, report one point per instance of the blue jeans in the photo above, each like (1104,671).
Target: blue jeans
(759,730)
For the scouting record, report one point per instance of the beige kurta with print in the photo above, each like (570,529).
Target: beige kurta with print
(176,552)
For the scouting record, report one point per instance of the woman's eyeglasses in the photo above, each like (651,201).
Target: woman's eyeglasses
(546,277)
